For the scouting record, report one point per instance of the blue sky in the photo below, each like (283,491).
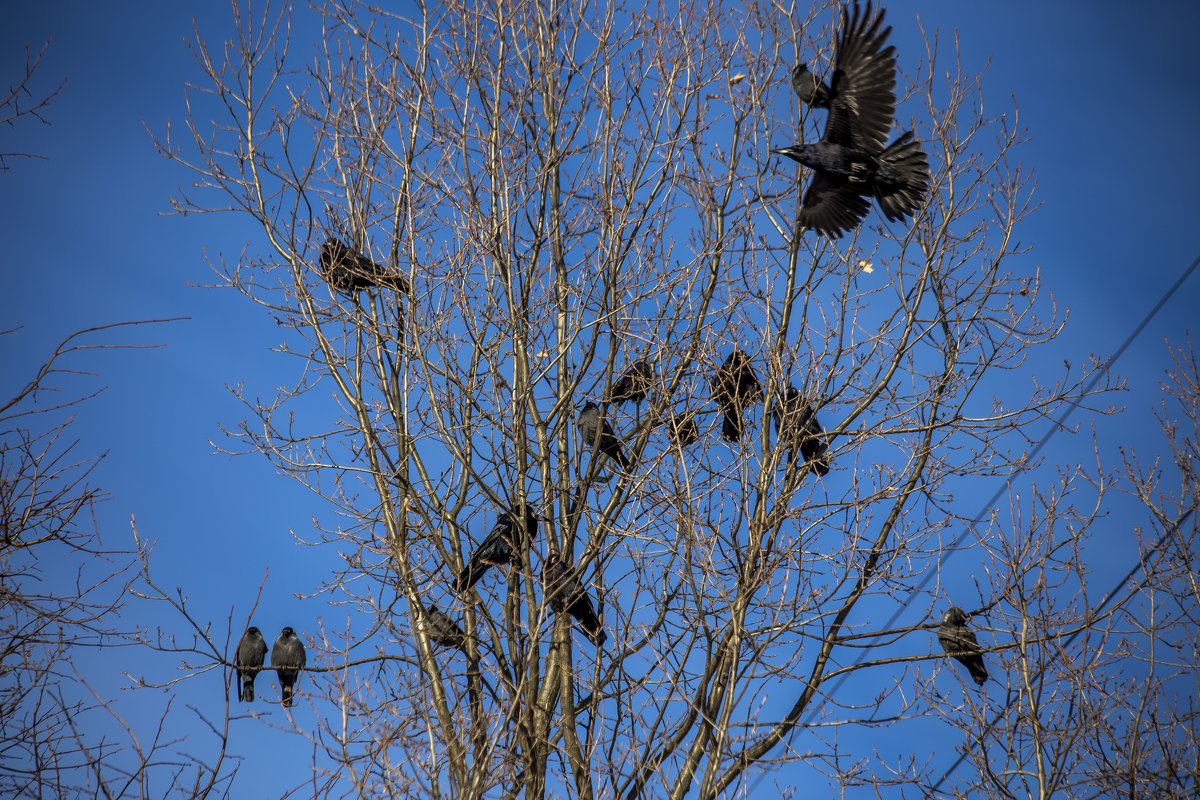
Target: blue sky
(1106,90)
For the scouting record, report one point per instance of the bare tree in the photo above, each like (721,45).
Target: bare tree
(566,191)
(65,590)
(1101,679)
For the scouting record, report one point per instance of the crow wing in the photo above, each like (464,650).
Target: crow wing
(862,91)
(832,206)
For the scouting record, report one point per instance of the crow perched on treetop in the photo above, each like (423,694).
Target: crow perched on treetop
(596,431)
(565,593)
(248,660)
(811,90)
(349,272)
(442,630)
(796,422)
(498,547)
(735,387)
(288,658)
(633,384)
(851,164)
(959,642)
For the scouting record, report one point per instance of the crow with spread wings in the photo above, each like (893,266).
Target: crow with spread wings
(851,163)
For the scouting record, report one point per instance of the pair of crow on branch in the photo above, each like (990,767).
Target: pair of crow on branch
(852,162)
(503,546)
(287,659)
(735,387)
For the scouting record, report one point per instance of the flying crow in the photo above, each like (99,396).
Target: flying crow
(851,163)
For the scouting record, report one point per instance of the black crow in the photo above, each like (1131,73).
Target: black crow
(565,593)
(288,659)
(596,432)
(796,423)
(633,384)
(735,387)
(682,429)
(811,90)
(349,272)
(248,659)
(498,547)
(959,642)
(442,630)
(851,164)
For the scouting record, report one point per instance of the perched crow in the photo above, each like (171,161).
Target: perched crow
(683,429)
(442,630)
(248,660)
(633,384)
(811,90)
(565,594)
(596,432)
(796,422)
(349,272)
(851,164)
(959,642)
(735,387)
(287,658)
(498,547)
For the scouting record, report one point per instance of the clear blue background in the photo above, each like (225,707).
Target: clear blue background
(1107,90)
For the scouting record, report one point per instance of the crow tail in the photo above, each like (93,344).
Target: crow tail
(903,178)
(731,425)
(470,575)
(591,624)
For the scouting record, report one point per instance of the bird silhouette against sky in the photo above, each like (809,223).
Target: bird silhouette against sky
(796,424)
(248,659)
(442,630)
(633,384)
(349,272)
(595,430)
(500,546)
(851,163)
(566,594)
(734,387)
(288,659)
(811,90)
(960,643)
